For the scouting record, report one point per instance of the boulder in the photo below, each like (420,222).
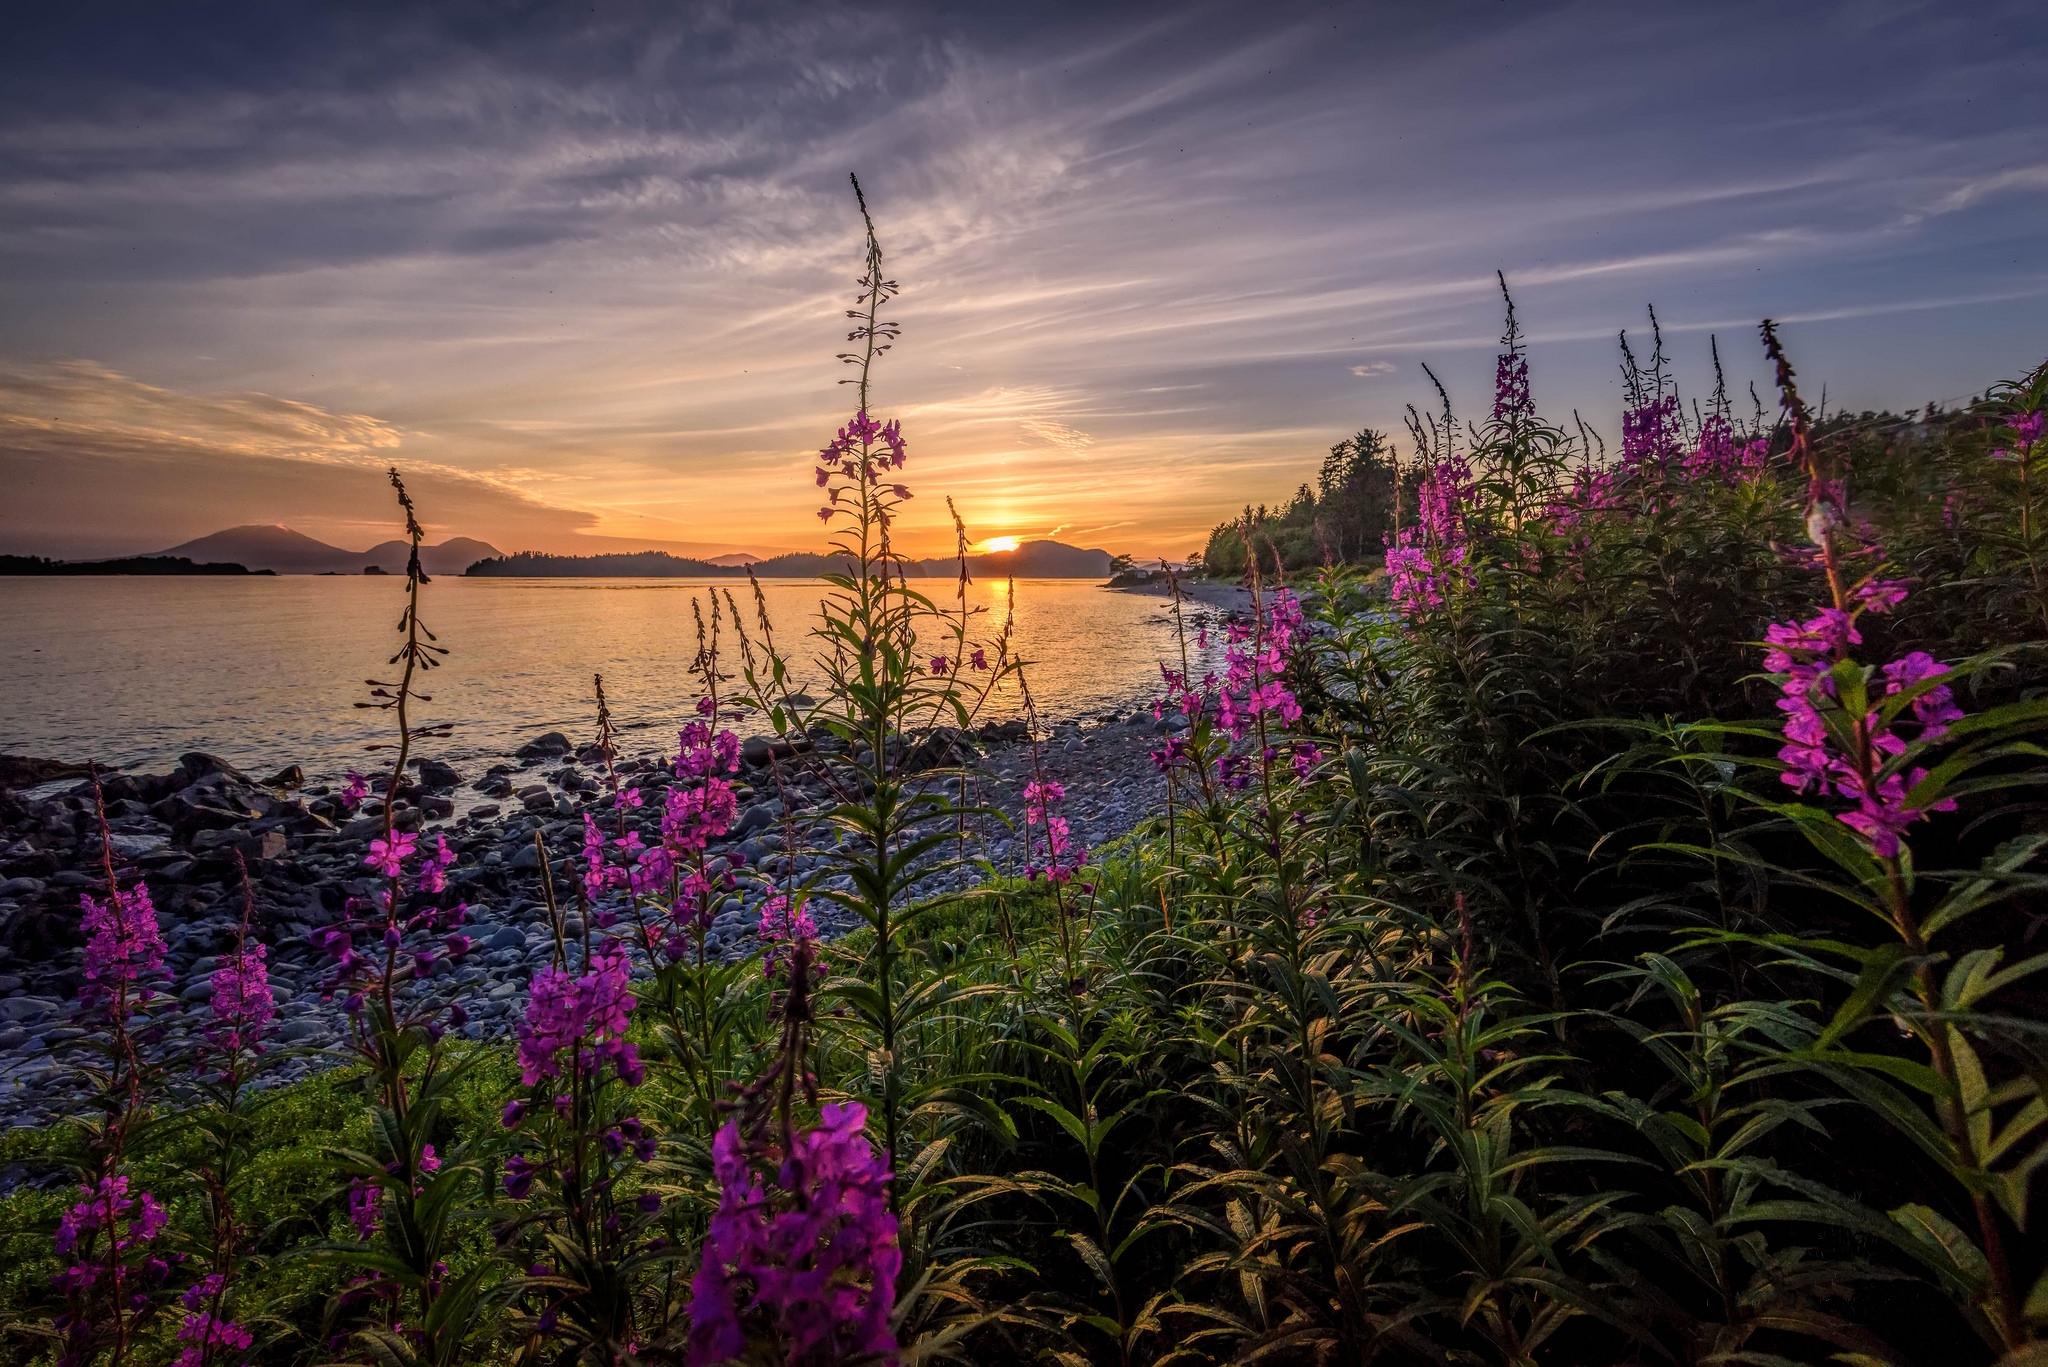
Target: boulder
(434,775)
(20,771)
(291,776)
(756,817)
(200,765)
(544,747)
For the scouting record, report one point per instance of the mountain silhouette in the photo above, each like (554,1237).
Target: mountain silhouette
(1032,560)
(265,546)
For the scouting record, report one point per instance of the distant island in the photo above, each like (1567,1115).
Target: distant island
(1032,560)
(134,564)
(279,549)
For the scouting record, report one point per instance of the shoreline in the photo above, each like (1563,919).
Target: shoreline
(179,832)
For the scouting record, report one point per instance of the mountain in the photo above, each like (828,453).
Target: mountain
(1032,560)
(267,547)
(735,560)
(452,556)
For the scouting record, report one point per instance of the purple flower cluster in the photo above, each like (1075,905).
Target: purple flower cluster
(1859,768)
(852,455)
(809,1258)
(408,942)
(1511,399)
(1254,659)
(242,1003)
(203,1332)
(122,943)
(2026,429)
(1435,553)
(1045,829)
(583,1017)
(130,1221)
(783,923)
(1650,432)
(1718,455)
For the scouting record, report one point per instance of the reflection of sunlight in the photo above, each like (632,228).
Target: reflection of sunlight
(999,543)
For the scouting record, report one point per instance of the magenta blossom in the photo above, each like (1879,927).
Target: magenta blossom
(242,1004)
(583,1017)
(783,924)
(1804,655)
(122,942)
(810,1257)
(388,856)
(356,790)
(1063,854)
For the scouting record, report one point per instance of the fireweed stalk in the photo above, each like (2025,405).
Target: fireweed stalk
(1842,740)
(113,1278)
(403,1193)
(576,1135)
(234,1052)
(881,687)
(800,1262)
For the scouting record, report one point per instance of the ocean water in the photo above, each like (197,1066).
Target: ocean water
(265,672)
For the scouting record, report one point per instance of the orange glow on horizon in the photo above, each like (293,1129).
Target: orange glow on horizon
(999,543)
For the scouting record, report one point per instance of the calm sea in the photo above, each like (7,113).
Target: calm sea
(263,672)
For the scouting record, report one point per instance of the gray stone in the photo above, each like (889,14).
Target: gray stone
(21,887)
(26,1008)
(545,746)
(434,774)
(291,776)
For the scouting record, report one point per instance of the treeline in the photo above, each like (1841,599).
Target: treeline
(1344,519)
(134,564)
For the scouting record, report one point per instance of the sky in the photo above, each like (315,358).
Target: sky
(580,271)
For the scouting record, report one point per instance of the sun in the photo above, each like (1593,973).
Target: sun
(999,543)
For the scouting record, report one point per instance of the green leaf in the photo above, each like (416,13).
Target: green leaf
(1944,1246)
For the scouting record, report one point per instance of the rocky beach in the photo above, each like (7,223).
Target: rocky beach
(179,833)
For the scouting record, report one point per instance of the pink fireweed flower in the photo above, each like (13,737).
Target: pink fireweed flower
(242,1003)
(1650,432)
(203,1333)
(433,875)
(1306,757)
(388,857)
(109,1206)
(940,664)
(701,753)
(357,789)
(1063,855)
(1511,399)
(1881,595)
(1803,654)
(597,876)
(583,1016)
(810,1257)
(365,1207)
(694,817)
(978,660)
(783,924)
(122,942)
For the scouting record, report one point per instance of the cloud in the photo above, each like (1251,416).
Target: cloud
(1372,368)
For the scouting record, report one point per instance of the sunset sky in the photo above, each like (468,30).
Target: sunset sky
(579,270)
